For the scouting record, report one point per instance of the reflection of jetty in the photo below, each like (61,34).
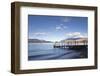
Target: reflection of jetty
(72,43)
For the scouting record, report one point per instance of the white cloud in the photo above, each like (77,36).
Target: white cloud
(59,28)
(75,35)
(65,19)
(64,27)
(61,24)
(40,33)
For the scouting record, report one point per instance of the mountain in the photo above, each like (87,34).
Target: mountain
(38,41)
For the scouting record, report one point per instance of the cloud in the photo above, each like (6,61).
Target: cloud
(75,35)
(61,24)
(65,19)
(39,33)
(59,28)
(64,27)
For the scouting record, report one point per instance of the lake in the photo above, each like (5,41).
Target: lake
(46,51)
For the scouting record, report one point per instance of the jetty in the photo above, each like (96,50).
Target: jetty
(72,43)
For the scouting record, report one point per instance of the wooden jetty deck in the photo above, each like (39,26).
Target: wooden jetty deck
(72,44)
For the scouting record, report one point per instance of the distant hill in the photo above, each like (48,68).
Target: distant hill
(38,41)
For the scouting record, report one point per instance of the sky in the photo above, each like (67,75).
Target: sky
(56,28)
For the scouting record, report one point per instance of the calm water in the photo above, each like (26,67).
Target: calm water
(45,51)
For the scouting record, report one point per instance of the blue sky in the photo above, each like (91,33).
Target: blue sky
(56,28)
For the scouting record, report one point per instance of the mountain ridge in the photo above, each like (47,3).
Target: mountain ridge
(38,41)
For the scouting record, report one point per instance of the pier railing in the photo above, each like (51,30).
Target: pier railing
(71,44)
